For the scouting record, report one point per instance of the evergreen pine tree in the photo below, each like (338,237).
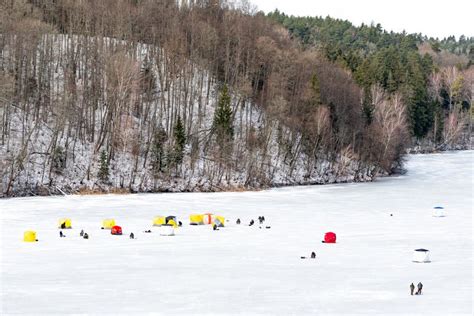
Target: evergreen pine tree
(223,125)
(158,151)
(368,107)
(179,141)
(104,167)
(58,160)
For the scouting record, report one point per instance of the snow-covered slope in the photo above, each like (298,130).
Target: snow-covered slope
(264,152)
(248,270)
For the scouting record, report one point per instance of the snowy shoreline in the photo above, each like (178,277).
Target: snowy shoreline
(181,186)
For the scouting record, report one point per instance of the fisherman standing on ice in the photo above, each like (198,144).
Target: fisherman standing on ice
(412,288)
(420,287)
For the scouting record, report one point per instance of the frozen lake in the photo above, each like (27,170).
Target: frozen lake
(248,270)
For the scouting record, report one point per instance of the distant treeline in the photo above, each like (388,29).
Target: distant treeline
(432,81)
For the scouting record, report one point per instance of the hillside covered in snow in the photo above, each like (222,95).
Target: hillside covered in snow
(153,96)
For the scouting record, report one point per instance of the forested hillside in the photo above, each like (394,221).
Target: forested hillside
(434,77)
(158,96)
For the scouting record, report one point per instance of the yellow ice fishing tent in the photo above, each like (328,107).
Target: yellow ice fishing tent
(196,219)
(64,223)
(219,221)
(159,220)
(29,236)
(169,220)
(108,223)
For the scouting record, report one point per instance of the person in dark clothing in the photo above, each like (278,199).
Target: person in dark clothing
(214,227)
(180,224)
(86,236)
(420,287)
(132,236)
(61,234)
(63,225)
(412,288)
(263,218)
(313,255)
(260,220)
(238,221)
(252,222)
(82,233)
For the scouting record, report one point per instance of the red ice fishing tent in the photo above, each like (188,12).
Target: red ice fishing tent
(116,230)
(329,238)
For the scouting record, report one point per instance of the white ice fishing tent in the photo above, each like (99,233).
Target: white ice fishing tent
(439,211)
(421,255)
(166,230)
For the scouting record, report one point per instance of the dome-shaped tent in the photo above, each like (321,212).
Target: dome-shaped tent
(421,255)
(208,218)
(29,236)
(166,230)
(108,223)
(65,223)
(219,221)
(196,219)
(116,230)
(329,238)
(439,211)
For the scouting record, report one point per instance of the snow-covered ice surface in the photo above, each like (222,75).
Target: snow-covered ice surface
(247,270)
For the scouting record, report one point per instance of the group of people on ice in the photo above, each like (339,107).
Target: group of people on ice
(419,286)
(82,234)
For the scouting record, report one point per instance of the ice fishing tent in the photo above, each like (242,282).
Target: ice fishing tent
(329,238)
(166,230)
(421,255)
(108,223)
(29,236)
(439,211)
(168,220)
(116,230)
(65,223)
(196,219)
(171,220)
(219,221)
(159,220)
(208,218)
